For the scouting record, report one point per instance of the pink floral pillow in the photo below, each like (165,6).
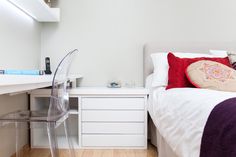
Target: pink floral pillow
(211,75)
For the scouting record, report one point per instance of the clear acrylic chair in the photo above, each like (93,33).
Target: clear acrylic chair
(57,113)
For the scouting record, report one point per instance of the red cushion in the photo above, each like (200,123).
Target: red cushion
(177,67)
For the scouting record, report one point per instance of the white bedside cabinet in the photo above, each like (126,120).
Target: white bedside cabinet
(112,118)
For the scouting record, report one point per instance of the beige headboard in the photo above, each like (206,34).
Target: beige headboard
(150,48)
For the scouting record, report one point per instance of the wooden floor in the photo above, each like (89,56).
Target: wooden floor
(150,152)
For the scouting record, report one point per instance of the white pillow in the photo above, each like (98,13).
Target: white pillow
(218,53)
(161,66)
(148,82)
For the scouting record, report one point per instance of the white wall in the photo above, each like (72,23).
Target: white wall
(110,34)
(19,49)
(19,40)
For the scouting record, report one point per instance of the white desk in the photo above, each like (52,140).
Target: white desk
(21,83)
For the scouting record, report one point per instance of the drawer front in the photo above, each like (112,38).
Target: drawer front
(112,116)
(113,128)
(113,103)
(113,140)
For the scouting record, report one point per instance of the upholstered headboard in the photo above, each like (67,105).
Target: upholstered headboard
(150,48)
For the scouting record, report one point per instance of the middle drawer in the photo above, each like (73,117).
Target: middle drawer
(112,116)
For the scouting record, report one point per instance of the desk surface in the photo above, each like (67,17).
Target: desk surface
(20,83)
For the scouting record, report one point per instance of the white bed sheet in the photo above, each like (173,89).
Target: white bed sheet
(180,116)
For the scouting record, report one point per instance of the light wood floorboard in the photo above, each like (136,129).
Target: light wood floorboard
(150,152)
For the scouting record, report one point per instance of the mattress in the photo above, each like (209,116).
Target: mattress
(180,116)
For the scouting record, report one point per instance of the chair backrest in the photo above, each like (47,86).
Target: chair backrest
(59,101)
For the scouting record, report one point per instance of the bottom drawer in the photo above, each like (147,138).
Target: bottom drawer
(113,140)
(113,128)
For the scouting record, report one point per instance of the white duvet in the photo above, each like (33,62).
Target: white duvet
(180,115)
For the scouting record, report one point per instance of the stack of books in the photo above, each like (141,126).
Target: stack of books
(22,72)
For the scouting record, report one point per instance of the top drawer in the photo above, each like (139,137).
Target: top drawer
(113,103)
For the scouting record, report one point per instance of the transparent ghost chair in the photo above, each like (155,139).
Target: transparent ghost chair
(56,115)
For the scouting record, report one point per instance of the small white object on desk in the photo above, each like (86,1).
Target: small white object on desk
(114,84)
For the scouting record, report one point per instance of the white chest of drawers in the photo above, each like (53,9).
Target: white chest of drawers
(114,118)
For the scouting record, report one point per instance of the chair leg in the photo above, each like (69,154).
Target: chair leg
(71,147)
(17,129)
(52,139)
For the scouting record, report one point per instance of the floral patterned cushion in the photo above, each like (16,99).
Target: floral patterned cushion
(212,75)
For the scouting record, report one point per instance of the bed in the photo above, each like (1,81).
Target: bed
(177,129)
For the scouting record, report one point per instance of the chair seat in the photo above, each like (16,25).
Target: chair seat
(31,116)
